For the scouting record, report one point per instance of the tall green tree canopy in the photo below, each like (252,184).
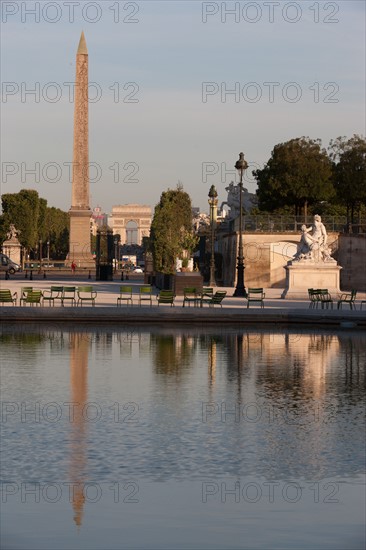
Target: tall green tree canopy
(298,174)
(23,210)
(171,223)
(35,221)
(349,171)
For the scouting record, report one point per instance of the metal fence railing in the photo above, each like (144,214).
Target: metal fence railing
(278,224)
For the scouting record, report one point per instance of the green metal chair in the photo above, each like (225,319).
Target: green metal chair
(6,297)
(349,299)
(145,294)
(125,295)
(325,298)
(313,297)
(255,295)
(165,297)
(55,293)
(86,294)
(33,297)
(216,299)
(68,295)
(23,293)
(190,296)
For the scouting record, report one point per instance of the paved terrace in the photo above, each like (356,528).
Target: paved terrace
(233,311)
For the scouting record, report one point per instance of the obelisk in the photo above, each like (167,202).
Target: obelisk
(80,213)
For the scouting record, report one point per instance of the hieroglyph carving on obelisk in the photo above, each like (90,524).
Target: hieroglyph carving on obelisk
(80,212)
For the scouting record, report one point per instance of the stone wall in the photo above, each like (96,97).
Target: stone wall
(265,257)
(352,257)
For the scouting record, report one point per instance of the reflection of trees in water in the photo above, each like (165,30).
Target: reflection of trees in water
(25,340)
(353,364)
(31,340)
(172,354)
(228,349)
(130,338)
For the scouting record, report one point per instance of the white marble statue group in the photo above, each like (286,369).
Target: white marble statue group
(233,200)
(313,245)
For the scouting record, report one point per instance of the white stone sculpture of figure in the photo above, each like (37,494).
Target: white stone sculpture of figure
(12,233)
(233,200)
(313,243)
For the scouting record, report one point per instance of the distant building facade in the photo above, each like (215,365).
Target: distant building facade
(131,221)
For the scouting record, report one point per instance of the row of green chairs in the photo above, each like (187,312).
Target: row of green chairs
(323,297)
(126,295)
(320,296)
(167,297)
(28,296)
(63,294)
(206,296)
(70,295)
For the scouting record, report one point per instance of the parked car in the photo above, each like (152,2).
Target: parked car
(138,270)
(6,264)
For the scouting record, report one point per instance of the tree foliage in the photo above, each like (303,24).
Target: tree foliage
(36,222)
(23,210)
(170,228)
(349,172)
(298,174)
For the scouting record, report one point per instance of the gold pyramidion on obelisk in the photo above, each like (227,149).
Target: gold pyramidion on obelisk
(80,213)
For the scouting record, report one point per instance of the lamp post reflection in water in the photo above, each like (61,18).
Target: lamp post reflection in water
(212,362)
(79,354)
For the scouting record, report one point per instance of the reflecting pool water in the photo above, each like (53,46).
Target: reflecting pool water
(116,437)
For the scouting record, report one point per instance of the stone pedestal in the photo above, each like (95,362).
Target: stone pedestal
(183,280)
(80,239)
(302,276)
(12,248)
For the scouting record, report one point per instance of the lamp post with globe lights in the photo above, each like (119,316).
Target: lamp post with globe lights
(212,201)
(241,165)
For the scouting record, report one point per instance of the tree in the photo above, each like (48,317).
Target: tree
(349,172)
(56,231)
(22,209)
(36,222)
(170,227)
(298,174)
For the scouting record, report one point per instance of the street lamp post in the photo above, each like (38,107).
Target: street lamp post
(48,253)
(240,291)
(40,252)
(115,254)
(212,201)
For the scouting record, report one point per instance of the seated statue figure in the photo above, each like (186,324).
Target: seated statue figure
(313,243)
(233,200)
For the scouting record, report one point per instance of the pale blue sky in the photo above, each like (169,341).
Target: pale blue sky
(169,52)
